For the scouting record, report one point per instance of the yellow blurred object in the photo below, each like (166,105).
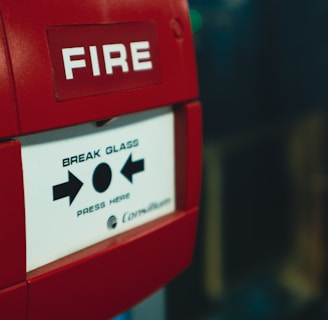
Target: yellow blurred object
(303,272)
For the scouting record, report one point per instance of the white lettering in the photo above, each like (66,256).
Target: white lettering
(69,64)
(139,54)
(94,61)
(115,55)
(110,61)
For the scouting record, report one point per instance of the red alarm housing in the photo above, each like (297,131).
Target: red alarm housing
(100,154)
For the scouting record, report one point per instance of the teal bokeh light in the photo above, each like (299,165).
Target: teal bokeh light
(196,20)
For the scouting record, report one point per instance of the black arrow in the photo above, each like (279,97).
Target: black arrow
(131,167)
(68,189)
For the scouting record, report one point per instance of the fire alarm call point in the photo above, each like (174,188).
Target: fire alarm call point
(100,154)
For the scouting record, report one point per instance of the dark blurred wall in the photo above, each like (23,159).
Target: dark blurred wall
(263,77)
(260,60)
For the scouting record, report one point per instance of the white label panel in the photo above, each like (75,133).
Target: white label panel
(84,184)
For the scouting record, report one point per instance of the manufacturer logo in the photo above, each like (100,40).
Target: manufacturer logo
(99,59)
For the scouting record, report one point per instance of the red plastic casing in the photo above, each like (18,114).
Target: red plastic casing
(8,119)
(105,279)
(13,302)
(13,287)
(12,226)
(27,24)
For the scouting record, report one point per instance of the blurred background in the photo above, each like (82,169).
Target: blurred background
(262,239)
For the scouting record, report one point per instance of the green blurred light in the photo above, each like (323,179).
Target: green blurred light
(196,20)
